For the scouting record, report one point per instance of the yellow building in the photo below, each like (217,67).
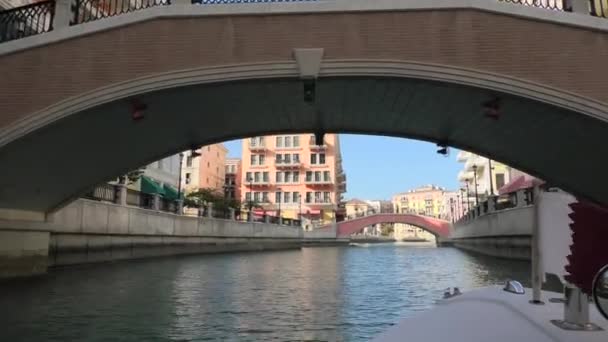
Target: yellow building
(427,200)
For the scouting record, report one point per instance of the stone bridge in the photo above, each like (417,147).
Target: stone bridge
(94,98)
(437,227)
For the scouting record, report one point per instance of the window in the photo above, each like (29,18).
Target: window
(256,196)
(278,158)
(321,158)
(261,159)
(287,177)
(254,159)
(248,176)
(287,158)
(279,177)
(208,165)
(265,177)
(313,158)
(189,161)
(208,148)
(308,197)
(279,141)
(326,198)
(248,196)
(296,197)
(256,177)
(227,167)
(286,197)
(217,170)
(188,180)
(326,176)
(296,141)
(277,197)
(161,164)
(296,158)
(500,180)
(265,197)
(309,176)
(287,141)
(317,176)
(253,142)
(296,176)
(318,197)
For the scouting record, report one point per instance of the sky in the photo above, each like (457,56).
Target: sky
(378,167)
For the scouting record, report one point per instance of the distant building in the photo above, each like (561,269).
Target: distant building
(477,170)
(292,175)
(358,208)
(426,200)
(206,171)
(232,184)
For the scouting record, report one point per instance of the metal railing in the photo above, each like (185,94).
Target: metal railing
(89,10)
(102,192)
(24,21)
(557,5)
(599,8)
(223,2)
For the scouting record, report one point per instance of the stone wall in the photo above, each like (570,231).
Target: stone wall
(506,233)
(89,231)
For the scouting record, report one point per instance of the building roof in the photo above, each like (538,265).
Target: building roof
(356,201)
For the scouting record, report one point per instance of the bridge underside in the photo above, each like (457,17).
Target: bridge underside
(53,165)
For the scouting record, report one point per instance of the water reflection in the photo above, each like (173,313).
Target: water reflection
(330,294)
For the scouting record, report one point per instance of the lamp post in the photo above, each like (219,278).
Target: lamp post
(467,194)
(179,182)
(475,180)
(452,209)
(279,190)
(491,182)
(250,204)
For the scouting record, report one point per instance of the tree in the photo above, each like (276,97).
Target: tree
(201,197)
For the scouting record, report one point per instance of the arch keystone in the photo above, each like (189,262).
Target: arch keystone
(309,61)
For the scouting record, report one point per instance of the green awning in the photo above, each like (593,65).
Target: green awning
(149,186)
(170,192)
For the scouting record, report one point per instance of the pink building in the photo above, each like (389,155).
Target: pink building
(290,175)
(232,185)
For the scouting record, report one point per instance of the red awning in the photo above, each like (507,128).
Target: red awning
(312,212)
(521,182)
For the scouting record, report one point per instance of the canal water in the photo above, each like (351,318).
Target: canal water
(313,294)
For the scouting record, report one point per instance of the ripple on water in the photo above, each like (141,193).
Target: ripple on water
(313,294)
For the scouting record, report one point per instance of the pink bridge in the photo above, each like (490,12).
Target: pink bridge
(437,227)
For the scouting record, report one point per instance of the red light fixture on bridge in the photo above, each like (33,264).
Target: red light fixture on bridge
(491,108)
(138,109)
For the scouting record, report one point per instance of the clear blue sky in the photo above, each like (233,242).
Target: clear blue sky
(378,167)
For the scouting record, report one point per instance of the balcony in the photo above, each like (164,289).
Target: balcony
(314,147)
(320,204)
(288,164)
(463,156)
(312,181)
(463,176)
(477,161)
(342,187)
(341,177)
(257,147)
(259,183)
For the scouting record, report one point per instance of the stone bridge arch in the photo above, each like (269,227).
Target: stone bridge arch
(439,228)
(203,75)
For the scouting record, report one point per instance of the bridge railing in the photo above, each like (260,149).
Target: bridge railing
(24,21)
(28,20)
(521,198)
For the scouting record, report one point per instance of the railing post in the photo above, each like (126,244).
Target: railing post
(491,204)
(210,210)
(521,198)
(181,2)
(121,194)
(578,6)
(63,14)
(156,202)
(232,214)
(180,207)
(266,218)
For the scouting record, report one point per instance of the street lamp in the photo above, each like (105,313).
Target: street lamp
(193,154)
(250,204)
(279,190)
(452,209)
(475,180)
(491,182)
